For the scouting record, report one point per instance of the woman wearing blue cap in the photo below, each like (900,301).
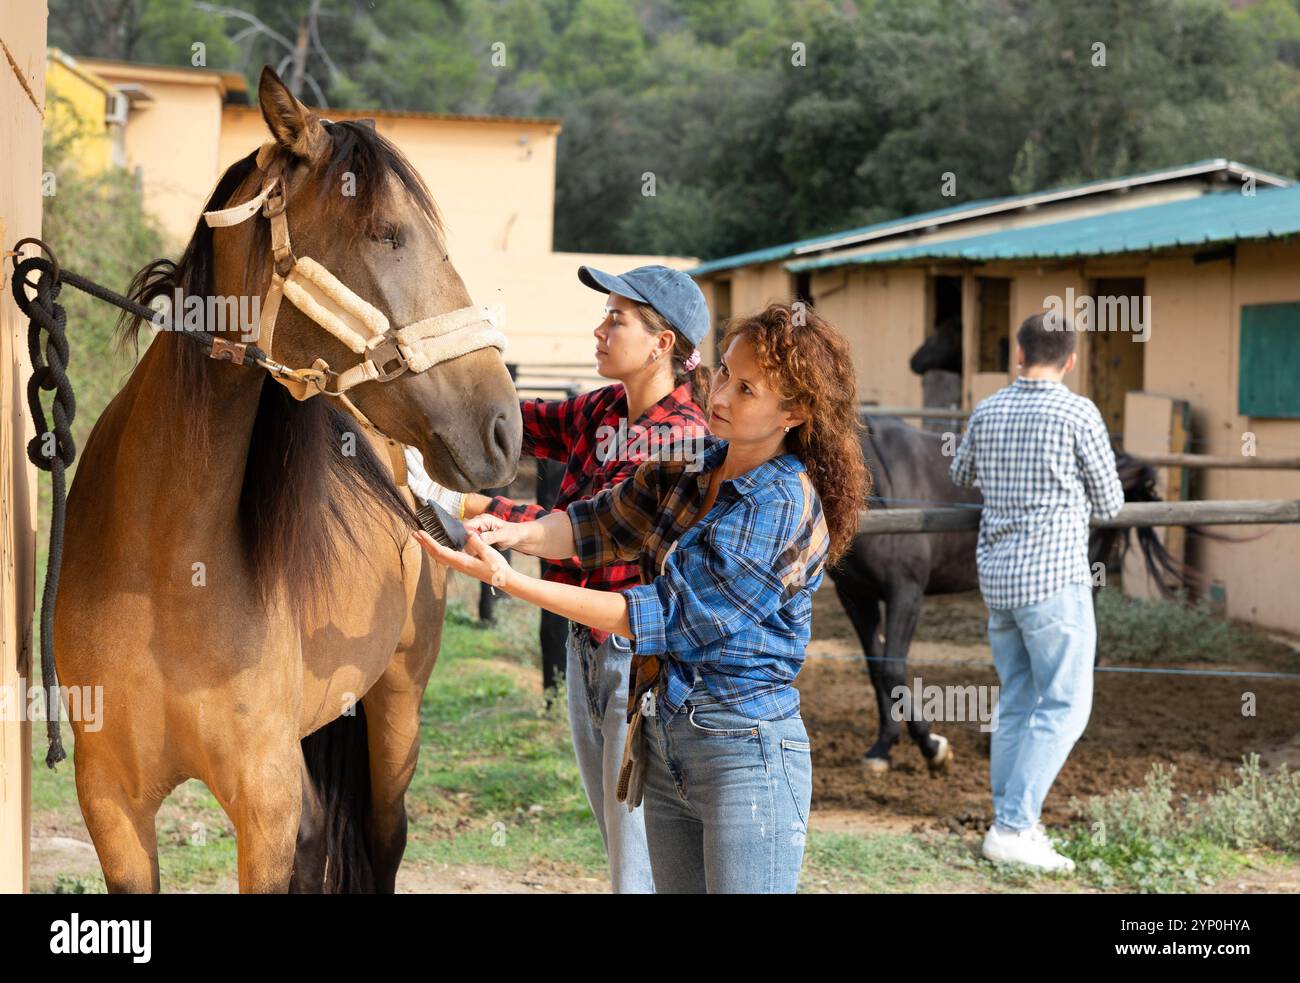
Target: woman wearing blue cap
(730,554)
(653,321)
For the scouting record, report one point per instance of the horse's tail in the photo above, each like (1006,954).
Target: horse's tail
(1171,576)
(338,761)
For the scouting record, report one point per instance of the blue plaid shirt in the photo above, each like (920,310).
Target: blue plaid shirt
(729,598)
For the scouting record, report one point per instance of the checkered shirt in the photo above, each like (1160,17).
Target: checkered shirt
(1042,459)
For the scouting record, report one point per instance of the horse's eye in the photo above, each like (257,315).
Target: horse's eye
(391,235)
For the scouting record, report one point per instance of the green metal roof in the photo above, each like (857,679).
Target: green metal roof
(771,254)
(1221,216)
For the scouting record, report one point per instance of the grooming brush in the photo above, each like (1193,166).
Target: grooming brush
(444,527)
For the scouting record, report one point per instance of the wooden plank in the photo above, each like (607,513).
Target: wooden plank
(23,28)
(1132,515)
(1214,461)
(925,413)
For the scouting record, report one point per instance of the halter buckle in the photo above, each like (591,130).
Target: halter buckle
(284,260)
(384,356)
(274,204)
(229,350)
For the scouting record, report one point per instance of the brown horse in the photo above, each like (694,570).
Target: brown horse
(239,578)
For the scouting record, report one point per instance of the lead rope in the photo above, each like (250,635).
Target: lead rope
(50,372)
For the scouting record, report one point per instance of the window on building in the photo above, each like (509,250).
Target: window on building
(803,288)
(1270,360)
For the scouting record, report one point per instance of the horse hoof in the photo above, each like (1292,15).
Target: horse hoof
(878,766)
(942,754)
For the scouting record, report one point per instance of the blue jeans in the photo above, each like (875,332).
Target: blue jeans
(1044,654)
(596,680)
(726,800)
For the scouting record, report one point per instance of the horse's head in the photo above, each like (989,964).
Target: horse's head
(357,207)
(941,350)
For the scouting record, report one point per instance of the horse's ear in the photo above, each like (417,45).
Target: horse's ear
(294,126)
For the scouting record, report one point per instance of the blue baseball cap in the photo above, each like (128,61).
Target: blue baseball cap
(670,292)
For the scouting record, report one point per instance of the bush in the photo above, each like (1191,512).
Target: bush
(1147,840)
(1133,630)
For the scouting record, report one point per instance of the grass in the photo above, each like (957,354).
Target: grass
(1132,630)
(1146,840)
(1129,631)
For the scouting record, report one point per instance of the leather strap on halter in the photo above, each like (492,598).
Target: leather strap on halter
(318,293)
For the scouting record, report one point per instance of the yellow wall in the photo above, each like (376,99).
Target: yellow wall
(76,103)
(23,30)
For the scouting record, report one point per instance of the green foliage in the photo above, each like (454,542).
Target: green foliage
(1143,839)
(1137,631)
(748,144)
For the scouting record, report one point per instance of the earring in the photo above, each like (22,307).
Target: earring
(787,429)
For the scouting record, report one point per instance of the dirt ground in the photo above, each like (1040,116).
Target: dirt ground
(1193,723)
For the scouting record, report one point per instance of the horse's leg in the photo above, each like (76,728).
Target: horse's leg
(902,610)
(862,605)
(121,827)
(392,708)
(259,785)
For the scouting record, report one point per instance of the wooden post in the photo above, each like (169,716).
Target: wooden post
(22,98)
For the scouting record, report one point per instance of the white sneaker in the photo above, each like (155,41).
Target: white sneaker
(1030,847)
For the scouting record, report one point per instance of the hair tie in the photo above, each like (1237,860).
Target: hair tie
(693,361)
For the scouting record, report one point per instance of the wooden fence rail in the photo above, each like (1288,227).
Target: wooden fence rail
(919,412)
(1136,514)
(1226,461)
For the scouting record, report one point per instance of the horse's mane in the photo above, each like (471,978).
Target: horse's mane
(301,493)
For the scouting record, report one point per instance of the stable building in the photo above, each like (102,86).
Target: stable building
(1188,304)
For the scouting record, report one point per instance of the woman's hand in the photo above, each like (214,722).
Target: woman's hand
(477,560)
(496,531)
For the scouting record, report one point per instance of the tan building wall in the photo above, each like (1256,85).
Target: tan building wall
(883,315)
(1193,353)
(22,100)
(494,182)
(548,315)
(172,140)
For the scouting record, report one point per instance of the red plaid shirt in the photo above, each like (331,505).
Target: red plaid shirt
(570,430)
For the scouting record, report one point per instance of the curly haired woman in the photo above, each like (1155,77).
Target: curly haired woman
(731,550)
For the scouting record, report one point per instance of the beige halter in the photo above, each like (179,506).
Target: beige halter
(388,352)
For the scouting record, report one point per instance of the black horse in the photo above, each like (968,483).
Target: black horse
(898,570)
